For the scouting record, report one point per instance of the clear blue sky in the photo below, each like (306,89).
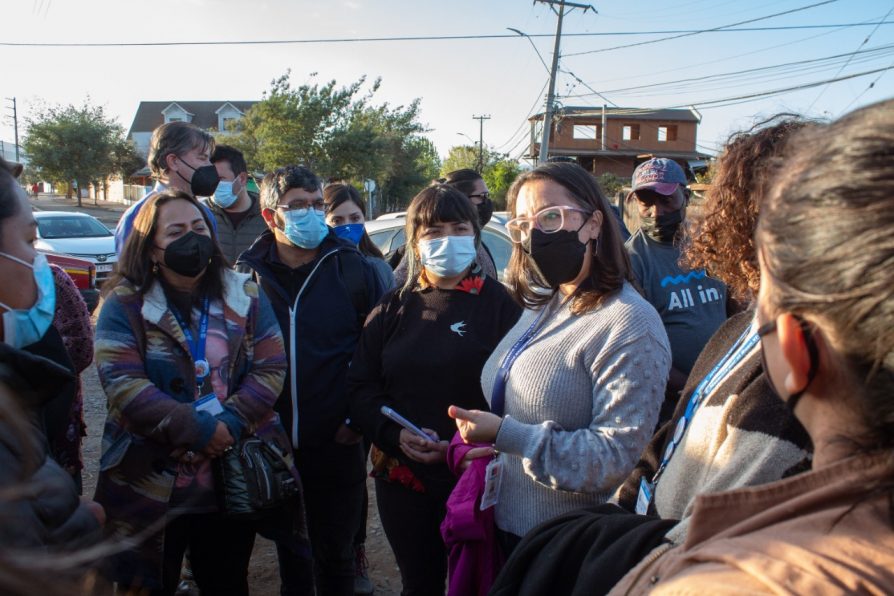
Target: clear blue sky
(455,79)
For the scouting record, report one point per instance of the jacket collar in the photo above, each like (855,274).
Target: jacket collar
(155,305)
(746,510)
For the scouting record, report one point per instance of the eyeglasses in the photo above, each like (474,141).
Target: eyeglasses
(301,208)
(548,221)
(480,195)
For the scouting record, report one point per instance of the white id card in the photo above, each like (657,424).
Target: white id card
(644,498)
(493,476)
(209,404)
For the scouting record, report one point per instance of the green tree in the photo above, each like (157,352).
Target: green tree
(70,143)
(499,176)
(610,185)
(340,134)
(499,170)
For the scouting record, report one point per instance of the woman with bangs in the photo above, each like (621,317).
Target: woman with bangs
(575,387)
(423,349)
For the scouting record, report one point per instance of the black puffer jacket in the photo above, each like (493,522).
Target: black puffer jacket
(39,502)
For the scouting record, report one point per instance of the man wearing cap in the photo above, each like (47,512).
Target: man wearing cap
(691,305)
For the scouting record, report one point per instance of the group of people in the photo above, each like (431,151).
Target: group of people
(704,407)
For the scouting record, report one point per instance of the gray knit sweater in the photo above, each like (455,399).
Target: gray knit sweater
(581,403)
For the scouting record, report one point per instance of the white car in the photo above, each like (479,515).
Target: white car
(388,234)
(80,235)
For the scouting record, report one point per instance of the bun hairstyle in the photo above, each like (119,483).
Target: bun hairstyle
(826,236)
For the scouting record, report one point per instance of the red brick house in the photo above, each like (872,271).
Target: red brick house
(616,140)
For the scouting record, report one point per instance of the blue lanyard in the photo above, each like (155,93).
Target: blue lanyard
(197,345)
(498,393)
(718,374)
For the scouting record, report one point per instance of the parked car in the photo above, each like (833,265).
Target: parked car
(82,271)
(388,234)
(79,235)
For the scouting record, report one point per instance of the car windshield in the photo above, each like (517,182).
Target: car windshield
(71,227)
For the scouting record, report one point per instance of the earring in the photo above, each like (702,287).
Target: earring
(155,268)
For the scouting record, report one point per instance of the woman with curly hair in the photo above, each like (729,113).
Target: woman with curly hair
(728,431)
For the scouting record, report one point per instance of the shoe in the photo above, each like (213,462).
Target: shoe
(362,584)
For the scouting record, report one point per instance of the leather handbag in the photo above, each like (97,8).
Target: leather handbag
(252,478)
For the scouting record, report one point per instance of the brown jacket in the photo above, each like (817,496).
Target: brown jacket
(794,536)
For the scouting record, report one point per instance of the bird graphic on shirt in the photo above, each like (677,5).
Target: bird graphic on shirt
(457,328)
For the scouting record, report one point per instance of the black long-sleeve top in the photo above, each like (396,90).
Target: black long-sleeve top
(423,352)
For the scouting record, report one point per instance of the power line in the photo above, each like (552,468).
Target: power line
(871,85)
(431,37)
(683,83)
(717,103)
(855,52)
(525,121)
(689,34)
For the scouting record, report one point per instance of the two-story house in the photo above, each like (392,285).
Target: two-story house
(209,115)
(616,140)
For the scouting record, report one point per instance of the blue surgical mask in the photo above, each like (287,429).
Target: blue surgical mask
(223,195)
(447,256)
(23,327)
(352,232)
(305,228)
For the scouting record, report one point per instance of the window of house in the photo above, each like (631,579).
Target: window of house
(175,119)
(631,132)
(586,131)
(667,133)
(228,124)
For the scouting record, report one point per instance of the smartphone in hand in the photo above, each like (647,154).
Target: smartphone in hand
(395,417)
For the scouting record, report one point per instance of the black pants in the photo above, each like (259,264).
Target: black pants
(333,477)
(412,523)
(220,549)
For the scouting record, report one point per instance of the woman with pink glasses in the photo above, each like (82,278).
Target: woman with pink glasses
(575,387)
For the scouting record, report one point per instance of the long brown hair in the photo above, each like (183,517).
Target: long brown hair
(610,266)
(826,236)
(334,196)
(720,238)
(135,264)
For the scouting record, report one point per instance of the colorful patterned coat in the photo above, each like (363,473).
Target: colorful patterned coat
(147,372)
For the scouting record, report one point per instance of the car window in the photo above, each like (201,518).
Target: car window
(382,239)
(71,227)
(500,248)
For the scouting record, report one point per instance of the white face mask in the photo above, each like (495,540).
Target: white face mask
(447,256)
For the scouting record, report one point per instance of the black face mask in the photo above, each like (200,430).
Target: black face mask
(664,227)
(559,256)
(485,211)
(813,353)
(189,254)
(204,180)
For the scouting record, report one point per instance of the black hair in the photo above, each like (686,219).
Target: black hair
(282,180)
(462,180)
(335,195)
(233,156)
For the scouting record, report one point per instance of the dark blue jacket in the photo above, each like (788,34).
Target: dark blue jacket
(320,325)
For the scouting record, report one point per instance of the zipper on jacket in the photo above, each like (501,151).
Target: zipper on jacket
(293,356)
(646,563)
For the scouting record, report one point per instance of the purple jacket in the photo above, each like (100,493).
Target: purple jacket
(474,557)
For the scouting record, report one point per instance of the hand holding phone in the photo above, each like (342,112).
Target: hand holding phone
(395,417)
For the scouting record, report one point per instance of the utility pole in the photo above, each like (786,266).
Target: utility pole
(15,121)
(481,120)
(551,95)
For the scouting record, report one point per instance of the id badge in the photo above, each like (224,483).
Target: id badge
(644,498)
(210,404)
(493,476)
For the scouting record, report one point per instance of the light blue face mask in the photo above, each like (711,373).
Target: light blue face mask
(352,232)
(23,327)
(447,256)
(223,195)
(305,228)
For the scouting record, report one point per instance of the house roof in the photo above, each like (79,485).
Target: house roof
(149,114)
(687,115)
(687,155)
